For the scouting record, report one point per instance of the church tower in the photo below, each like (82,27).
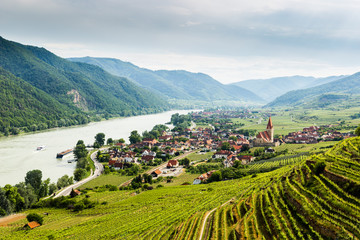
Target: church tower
(270,129)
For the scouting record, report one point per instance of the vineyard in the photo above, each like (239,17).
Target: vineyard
(306,197)
(307,202)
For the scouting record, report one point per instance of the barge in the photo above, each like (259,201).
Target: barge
(62,154)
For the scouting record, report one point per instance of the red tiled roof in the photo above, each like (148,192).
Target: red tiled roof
(33,224)
(147,158)
(264,135)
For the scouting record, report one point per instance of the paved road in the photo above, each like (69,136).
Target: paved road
(99,168)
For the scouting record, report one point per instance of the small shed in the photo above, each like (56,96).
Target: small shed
(32,225)
(156,173)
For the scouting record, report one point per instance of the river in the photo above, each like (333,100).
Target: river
(18,154)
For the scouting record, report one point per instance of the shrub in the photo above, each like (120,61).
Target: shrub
(319,167)
(35,217)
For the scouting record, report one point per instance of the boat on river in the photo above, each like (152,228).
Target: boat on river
(62,154)
(40,148)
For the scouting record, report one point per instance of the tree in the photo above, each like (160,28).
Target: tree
(100,139)
(80,150)
(5,204)
(121,140)
(33,178)
(79,174)
(52,188)
(64,181)
(35,217)
(16,200)
(28,193)
(225,146)
(245,148)
(215,176)
(109,141)
(357,131)
(134,137)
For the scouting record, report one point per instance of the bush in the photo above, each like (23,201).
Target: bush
(319,167)
(35,217)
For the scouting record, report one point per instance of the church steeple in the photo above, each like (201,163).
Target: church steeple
(270,129)
(270,125)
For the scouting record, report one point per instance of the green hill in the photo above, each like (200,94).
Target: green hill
(269,89)
(174,84)
(23,105)
(335,91)
(78,87)
(313,199)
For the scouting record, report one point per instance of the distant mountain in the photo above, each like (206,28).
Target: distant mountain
(269,89)
(75,88)
(335,91)
(174,84)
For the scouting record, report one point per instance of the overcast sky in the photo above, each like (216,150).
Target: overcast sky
(231,40)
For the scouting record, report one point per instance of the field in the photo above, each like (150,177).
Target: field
(111,178)
(289,121)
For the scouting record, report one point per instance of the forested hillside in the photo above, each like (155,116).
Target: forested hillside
(174,84)
(30,109)
(81,87)
(315,198)
(336,91)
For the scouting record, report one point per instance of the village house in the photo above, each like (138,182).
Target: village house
(172,164)
(146,159)
(156,173)
(222,154)
(203,177)
(246,159)
(148,152)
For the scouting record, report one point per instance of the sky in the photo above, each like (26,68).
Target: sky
(231,40)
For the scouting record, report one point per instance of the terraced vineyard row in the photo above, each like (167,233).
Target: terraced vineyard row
(305,203)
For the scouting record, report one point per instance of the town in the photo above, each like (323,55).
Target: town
(212,132)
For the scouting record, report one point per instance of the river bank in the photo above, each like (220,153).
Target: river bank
(18,153)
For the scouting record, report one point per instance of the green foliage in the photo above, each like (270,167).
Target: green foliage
(319,167)
(64,181)
(79,174)
(135,137)
(33,178)
(100,139)
(35,217)
(357,131)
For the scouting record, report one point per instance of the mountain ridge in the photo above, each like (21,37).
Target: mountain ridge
(174,84)
(349,85)
(274,87)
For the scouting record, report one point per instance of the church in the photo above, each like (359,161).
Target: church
(266,138)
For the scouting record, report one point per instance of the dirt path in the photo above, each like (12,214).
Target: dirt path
(207,216)
(4,221)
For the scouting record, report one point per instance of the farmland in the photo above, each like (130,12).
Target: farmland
(287,197)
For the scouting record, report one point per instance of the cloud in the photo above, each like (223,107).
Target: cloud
(293,33)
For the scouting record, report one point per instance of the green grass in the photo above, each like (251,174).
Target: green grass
(197,156)
(312,148)
(111,178)
(185,177)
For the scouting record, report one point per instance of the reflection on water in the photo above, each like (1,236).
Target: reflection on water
(18,154)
